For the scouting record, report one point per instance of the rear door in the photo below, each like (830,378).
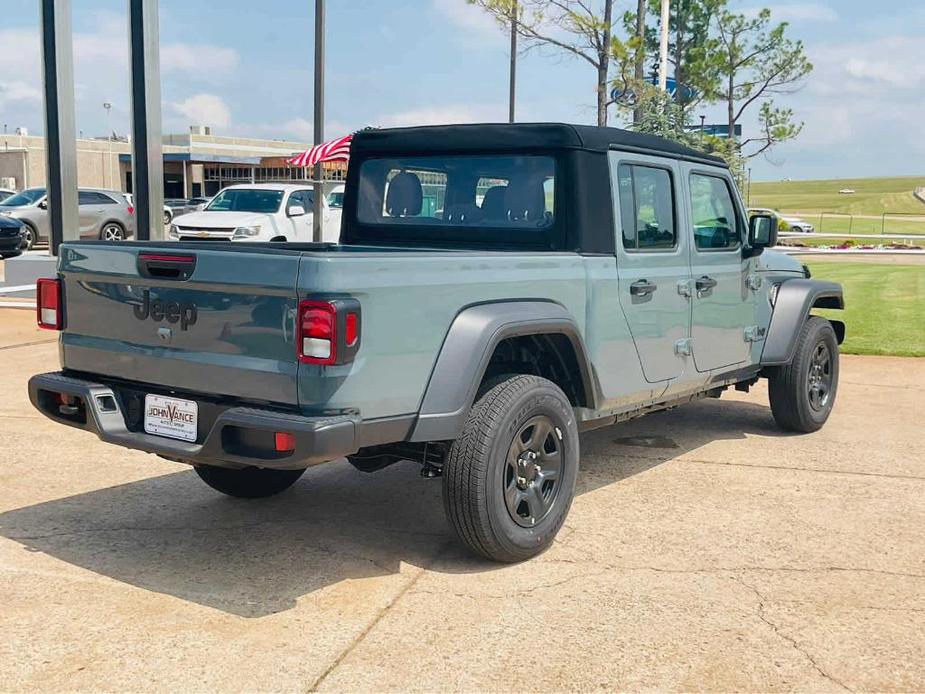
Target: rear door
(652,261)
(218,322)
(89,213)
(722,303)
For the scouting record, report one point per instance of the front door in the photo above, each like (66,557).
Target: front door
(722,303)
(653,266)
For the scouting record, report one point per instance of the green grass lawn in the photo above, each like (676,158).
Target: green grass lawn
(872,196)
(884,306)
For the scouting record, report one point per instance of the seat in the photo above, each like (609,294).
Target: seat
(493,209)
(405,197)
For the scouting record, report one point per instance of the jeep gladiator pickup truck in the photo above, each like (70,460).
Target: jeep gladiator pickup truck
(496,290)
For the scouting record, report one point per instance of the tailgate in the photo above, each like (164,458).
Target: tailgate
(205,319)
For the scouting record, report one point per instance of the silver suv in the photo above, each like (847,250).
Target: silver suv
(102,214)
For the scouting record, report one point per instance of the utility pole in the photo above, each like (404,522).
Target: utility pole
(108,107)
(318,207)
(512,89)
(640,58)
(60,130)
(702,119)
(663,48)
(147,145)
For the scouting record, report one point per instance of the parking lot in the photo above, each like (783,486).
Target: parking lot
(705,550)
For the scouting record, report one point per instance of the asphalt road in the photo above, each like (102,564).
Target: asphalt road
(705,550)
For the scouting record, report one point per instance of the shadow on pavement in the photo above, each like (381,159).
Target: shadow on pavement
(171,534)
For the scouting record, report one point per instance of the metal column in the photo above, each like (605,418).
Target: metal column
(318,212)
(147,157)
(60,134)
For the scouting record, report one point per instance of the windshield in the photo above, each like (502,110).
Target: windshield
(27,197)
(246,200)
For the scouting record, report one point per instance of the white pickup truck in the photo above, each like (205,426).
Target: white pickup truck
(258,212)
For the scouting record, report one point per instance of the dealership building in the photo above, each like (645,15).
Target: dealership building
(196,163)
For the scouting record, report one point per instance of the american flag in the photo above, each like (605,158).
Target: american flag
(335,150)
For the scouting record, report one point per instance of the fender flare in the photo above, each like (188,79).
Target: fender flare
(795,299)
(467,350)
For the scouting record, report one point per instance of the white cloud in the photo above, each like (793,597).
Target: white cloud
(204,109)
(441,115)
(16,90)
(199,58)
(803,12)
(467,17)
(299,128)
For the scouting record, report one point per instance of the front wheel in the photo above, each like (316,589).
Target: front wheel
(509,479)
(802,392)
(249,482)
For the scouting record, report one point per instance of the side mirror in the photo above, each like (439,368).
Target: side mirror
(296,211)
(762,233)
(43,205)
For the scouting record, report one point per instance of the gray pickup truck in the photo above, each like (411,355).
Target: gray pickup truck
(497,289)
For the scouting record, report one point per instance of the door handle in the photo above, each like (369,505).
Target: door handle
(704,283)
(642,288)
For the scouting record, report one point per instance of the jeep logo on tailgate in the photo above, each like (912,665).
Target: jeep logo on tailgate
(172,311)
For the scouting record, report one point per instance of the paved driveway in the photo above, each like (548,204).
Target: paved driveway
(706,550)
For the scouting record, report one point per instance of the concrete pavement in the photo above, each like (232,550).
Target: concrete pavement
(706,550)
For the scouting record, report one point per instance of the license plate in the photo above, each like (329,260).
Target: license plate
(171,417)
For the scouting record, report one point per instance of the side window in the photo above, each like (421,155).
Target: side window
(85,197)
(300,198)
(715,223)
(646,208)
(103,199)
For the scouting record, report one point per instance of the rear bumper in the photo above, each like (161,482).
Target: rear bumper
(232,440)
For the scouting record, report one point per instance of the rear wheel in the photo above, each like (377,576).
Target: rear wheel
(509,479)
(112,231)
(249,482)
(29,238)
(802,392)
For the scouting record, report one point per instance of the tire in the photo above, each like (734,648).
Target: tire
(249,482)
(803,392)
(167,217)
(503,506)
(30,238)
(112,231)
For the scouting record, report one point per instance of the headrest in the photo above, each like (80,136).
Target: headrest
(525,201)
(405,196)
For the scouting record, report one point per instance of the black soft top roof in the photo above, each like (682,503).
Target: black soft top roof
(517,137)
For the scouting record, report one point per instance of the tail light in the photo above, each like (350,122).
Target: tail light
(328,332)
(131,210)
(48,304)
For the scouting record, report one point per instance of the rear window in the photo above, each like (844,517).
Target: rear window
(483,200)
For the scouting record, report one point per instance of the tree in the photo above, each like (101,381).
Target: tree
(582,28)
(757,61)
(691,47)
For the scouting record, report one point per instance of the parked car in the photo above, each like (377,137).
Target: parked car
(172,207)
(102,214)
(198,203)
(6,193)
(786,222)
(256,212)
(604,275)
(12,237)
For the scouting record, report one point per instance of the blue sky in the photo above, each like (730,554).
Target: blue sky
(245,68)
